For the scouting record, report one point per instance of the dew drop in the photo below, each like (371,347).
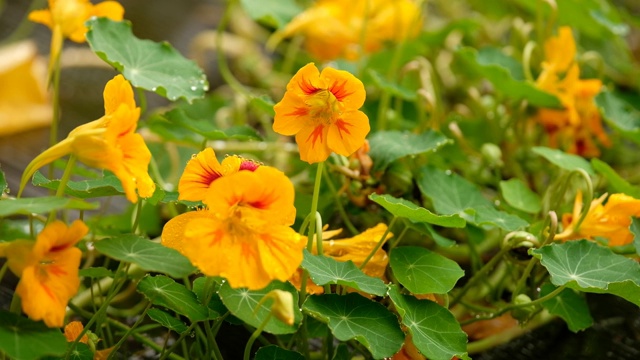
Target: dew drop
(205,88)
(193,88)
(154,88)
(448,172)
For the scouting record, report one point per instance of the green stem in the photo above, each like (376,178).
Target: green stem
(3,270)
(343,214)
(379,244)
(480,274)
(129,331)
(223,66)
(173,347)
(68,170)
(136,219)
(254,336)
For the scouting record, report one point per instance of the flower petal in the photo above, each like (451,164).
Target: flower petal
(173,232)
(312,143)
(347,88)
(348,133)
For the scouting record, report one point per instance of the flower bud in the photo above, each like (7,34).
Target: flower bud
(282,307)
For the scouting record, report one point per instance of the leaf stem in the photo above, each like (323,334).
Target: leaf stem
(62,185)
(379,244)
(254,336)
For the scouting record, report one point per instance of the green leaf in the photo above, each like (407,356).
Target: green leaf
(216,307)
(586,266)
(428,230)
(389,146)
(406,209)
(392,88)
(354,317)
(26,206)
(435,331)
(563,160)
(273,352)
(80,352)
(327,270)
(452,194)
(167,320)
(635,230)
(242,303)
(274,13)
(96,272)
(517,194)
(4,188)
(616,181)
(570,306)
(156,67)
(147,254)
(25,339)
(490,66)
(423,271)
(164,291)
(620,114)
(108,185)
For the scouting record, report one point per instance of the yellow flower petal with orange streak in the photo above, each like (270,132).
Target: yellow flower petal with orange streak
(117,92)
(50,277)
(560,51)
(201,171)
(72,330)
(265,195)
(173,231)
(321,109)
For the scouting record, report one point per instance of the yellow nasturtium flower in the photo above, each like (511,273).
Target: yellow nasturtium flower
(333,30)
(108,143)
(321,110)
(244,234)
(48,270)
(203,169)
(574,127)
(610,221)
(356,249)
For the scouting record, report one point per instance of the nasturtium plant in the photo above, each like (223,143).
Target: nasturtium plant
(283,179)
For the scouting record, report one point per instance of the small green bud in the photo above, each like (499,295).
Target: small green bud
(492,155)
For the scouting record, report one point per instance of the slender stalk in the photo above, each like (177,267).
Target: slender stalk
(343,214)
(129,331)
(254,336)
(223,66)
(136,219)
(68,170)
(169,352)
(379,244)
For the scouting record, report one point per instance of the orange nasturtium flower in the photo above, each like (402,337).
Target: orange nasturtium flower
(108,143)
(66,19)
(573,127)
(203,169)
(321,109)
(244,234)
(355,249)
(332,30)
(610,221)
(48,270)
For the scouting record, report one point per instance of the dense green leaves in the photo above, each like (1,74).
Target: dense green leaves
(570,306)
(108,185)
(147,254)
(452,194)
(423,271)
(156,67)
(491,66)
(164,291)
(406,209)
(216,307)
(326,270)
(517,194)
(435,331)
(26,206)
(620,114)
(25,339)
(389,146)
(586,266)
(563,160)
(243,304)
(352,316)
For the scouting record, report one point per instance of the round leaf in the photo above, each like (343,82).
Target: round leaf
(25,339)
(570,306)
(563,160)
(352,316)
(41,205)
(167,320)
(517,194)
(242,303)
(147,254)
(164,291)
(156,67)
(434,330)
(423,271)
(389,146)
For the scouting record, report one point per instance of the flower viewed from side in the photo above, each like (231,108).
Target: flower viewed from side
(244,234)
(610,221)
(68,16)
(332,30)
(321,110)
(574,127)
(356,249)
(108,143)
(48,270)
(203,169)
